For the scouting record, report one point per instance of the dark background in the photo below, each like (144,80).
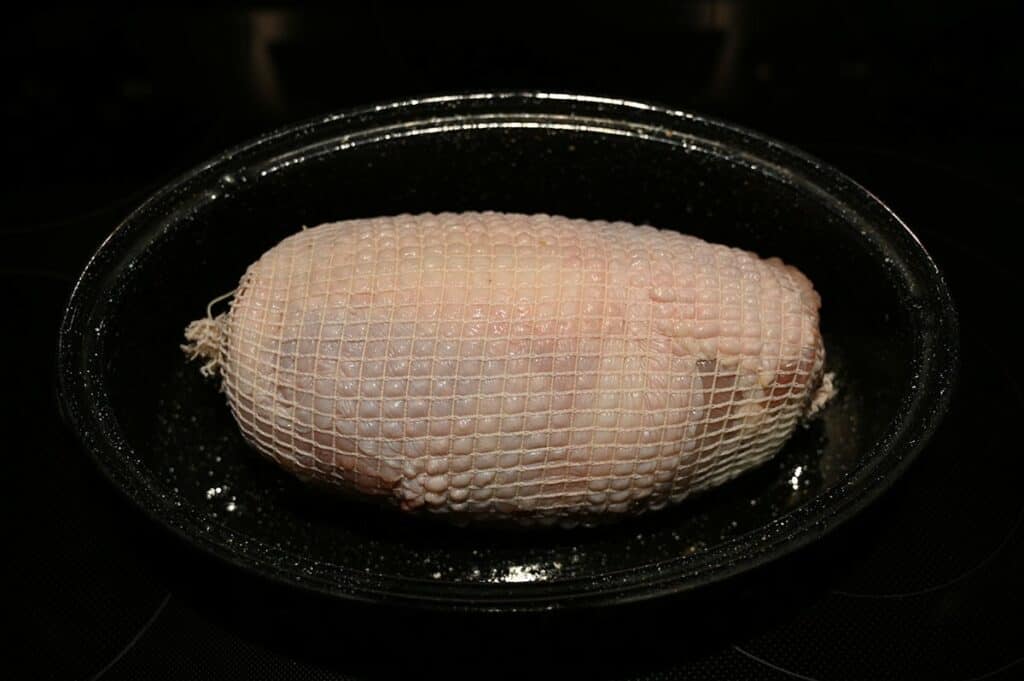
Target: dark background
(920,102)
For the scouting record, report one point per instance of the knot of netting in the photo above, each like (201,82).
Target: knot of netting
(207,337)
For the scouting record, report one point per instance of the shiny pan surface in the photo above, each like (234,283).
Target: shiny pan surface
(163,435)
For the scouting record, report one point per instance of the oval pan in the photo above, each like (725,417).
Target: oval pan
(164,437)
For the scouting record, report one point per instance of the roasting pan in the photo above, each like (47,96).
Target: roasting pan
(163,435)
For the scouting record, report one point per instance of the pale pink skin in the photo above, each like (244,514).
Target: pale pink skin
(502,365)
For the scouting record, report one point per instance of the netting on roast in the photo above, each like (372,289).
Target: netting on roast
(488,362)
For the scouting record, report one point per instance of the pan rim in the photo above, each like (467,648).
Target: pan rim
(803,524)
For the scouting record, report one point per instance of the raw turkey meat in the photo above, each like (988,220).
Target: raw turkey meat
(505,366)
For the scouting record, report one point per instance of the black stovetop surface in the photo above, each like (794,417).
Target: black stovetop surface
(921,104)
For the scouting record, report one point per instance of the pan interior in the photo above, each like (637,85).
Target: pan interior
(175,440)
